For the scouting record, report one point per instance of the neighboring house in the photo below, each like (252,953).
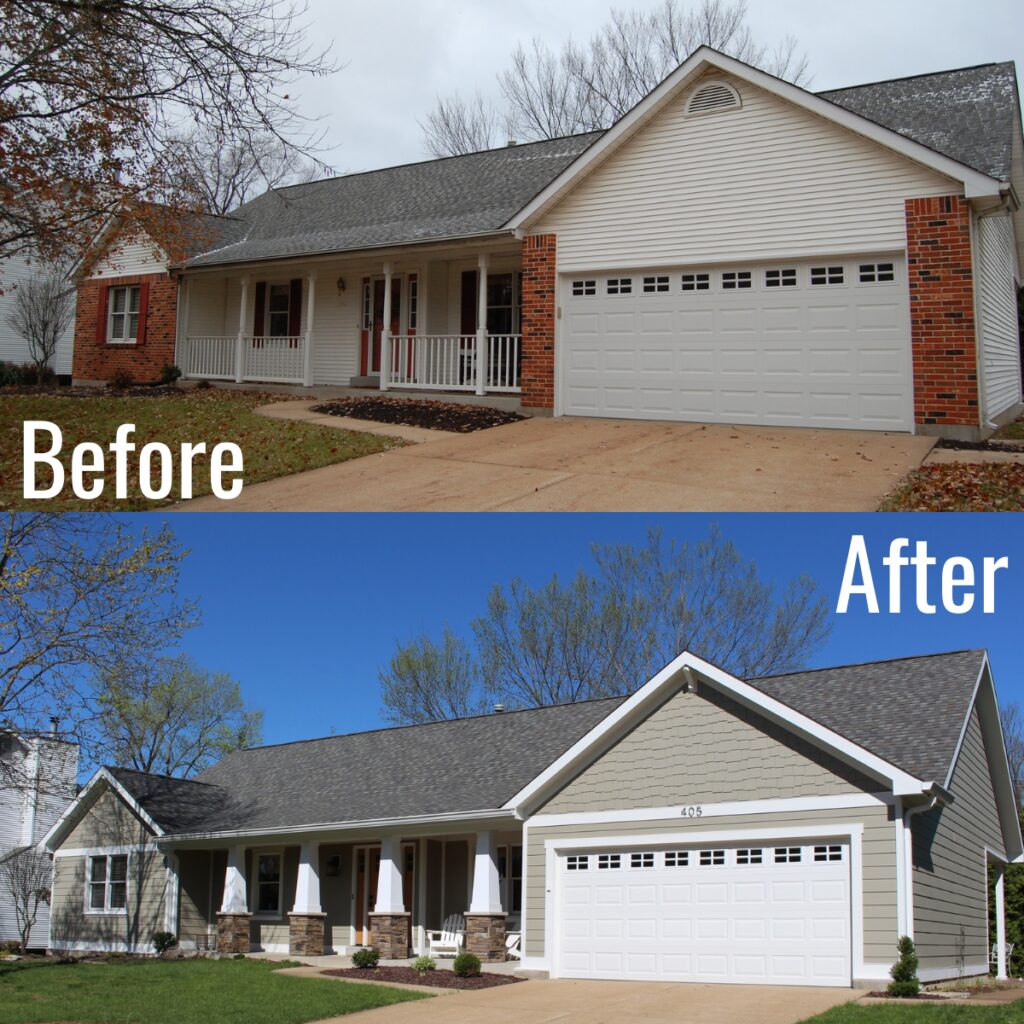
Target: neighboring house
(784,830)
(14,272)
(37,782)
(735,249)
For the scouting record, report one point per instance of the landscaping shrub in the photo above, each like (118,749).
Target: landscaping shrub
(466,965)
(169,374)
(423,964)
(10,374)
(366,958)
(121,380)
(15,375)
(10,947)
(163,941)
(905,983)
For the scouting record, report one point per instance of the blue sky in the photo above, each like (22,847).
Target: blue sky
(304,609)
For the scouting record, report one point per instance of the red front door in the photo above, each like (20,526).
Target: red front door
(378,317)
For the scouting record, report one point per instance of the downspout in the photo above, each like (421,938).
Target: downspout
(908,862)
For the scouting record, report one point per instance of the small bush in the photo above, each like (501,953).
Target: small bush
(169,374)
(163,941)
(366,959)
(423,964)
(120,380)
(203,385)
(466,965)
(15,375)
(905,983)
(10,947)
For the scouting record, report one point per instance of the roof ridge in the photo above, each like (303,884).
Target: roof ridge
(923,74)
(864,664)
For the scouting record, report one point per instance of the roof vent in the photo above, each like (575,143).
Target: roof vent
(512,142)
(713,96)
(499,709)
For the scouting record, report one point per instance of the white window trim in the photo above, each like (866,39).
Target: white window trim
(266,915)
(111,340)
(107,910)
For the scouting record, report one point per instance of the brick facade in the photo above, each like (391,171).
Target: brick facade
(96,360)
(233,933)
(538,321)
(391,935)
(485,937)
(306,934)
(943,330)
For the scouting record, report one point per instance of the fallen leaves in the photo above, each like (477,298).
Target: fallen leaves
(412,412)
(960,487)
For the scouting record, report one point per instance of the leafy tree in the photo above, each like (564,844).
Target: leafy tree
(25,876)
(1011,717)
(172,717)
(607,632)
(43,309)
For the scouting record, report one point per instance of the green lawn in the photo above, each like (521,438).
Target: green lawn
(922,1013)
(179,992)
(271,448)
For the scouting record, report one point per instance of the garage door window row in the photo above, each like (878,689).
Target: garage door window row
(709,858)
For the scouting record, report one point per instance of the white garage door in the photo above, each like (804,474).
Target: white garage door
(765,915)
(817,344)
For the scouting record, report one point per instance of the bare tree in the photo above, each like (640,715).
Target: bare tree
(44,307)
(579,87)
(26,876)
(1011,717)
(457,126)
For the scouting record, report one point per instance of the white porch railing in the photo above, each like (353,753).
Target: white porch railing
(448,362)
(277,360)
(263,360)
(209,358)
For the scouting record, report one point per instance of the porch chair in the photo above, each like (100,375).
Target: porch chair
(993,956)
(513,940)
(450,939)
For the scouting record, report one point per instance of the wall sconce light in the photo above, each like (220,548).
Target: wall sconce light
(341,285)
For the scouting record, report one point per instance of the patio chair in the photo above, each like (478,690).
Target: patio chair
(513,940)
(993,956)
(450,939)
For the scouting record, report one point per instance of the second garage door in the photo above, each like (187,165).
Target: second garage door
(765,915)
(818,344)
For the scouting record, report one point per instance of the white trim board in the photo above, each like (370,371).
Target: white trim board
(107,851)
(112,946)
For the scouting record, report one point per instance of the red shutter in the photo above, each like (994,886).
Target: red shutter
(140,334)
(260,311)
(470,302)
(295,308)
(102,298)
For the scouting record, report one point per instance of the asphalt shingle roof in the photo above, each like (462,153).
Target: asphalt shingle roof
(176,805)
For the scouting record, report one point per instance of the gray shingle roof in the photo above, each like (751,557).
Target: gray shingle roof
(450,198)
(967,114)
(176,805)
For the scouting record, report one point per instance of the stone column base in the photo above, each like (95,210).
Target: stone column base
(485,937)
(391,935)
(233,933)
(306,934)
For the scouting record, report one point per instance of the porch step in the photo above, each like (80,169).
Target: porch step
(364,382)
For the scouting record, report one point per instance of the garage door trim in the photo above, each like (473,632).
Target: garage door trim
(851,833)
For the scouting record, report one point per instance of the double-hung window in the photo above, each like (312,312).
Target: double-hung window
(510,877)
(278,310)
(123,314)
(268,884)
(108,884)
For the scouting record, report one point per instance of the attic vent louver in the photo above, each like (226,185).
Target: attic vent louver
(713,96)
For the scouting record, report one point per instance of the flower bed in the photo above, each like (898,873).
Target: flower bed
(431,979)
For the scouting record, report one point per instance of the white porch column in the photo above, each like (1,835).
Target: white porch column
(181,353)
(236,900)
(486,884)
(307,886)
(1001,972)
(481,324)
(389,879)
(243,310)
(385,354)
(172,887)
(307,350)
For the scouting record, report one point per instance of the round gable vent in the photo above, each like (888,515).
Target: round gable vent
(713,96)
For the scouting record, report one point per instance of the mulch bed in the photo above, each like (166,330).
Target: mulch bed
(982,446)
(961,487)
(411,412)
(429,979)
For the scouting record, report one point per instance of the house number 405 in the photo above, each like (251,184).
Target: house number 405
(693,811)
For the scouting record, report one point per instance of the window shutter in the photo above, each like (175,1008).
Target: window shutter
(295,308)
(260,311)
(470,302)
(102,298)
(140,335)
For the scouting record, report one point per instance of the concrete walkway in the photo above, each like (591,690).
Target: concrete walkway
(577,465)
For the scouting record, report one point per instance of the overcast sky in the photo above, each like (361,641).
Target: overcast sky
(399,56)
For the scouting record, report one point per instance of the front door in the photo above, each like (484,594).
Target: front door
(367,873)
(378,317)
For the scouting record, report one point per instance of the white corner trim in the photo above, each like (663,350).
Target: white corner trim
(105,851)
(533,963)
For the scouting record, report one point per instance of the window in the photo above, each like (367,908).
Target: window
(677,859)
(584,287)
(641,860)
(655,284)
(268,884)
(827,853)
(827,275)
(504,303)
(367,307)
(510,878)
(696,282)
(576,863)
(608,860)
(414,301)
(737,279)
(876,273)
(620,286)
(279,297)
(780,278)
(749,857)
(108,884)
(787,855)
(712,858)
(123,318)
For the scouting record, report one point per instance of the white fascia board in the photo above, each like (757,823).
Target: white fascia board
(976,184)
(649,695)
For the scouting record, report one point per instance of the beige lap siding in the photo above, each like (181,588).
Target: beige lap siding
(879,863)
(949,877)
(196,914)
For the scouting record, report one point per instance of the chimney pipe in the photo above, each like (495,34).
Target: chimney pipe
(54,722)
(499,709)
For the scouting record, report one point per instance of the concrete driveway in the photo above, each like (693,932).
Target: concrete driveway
(590,465)
(616,1002)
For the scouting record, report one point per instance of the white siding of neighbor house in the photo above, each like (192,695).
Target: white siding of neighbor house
(13,348)
(764,181)
(997,294)
(132,256)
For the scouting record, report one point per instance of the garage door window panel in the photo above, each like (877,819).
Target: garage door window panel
(654,285)
(877,273)
(584,288)
(788,855)
(830,275)
(780,278)
(712,858)
(696,282)
(733,280)
(608,861)
(620,286)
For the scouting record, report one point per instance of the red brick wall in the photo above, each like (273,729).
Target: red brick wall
(943,334)
(95,360)
(539,321)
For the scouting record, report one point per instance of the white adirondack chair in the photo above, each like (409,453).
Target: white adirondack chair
(450,939)
(513,940)
(993,957)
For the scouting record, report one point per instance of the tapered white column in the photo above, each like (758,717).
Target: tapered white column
(486,883)
(307,351)
(243,310)
(307,885)
(1001,966)
(236,900)
(481,325)
(389,878)
(385,335)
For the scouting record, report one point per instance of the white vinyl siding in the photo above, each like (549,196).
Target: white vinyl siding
(763,182)
(1000,339)
(135,256)
(13,347)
